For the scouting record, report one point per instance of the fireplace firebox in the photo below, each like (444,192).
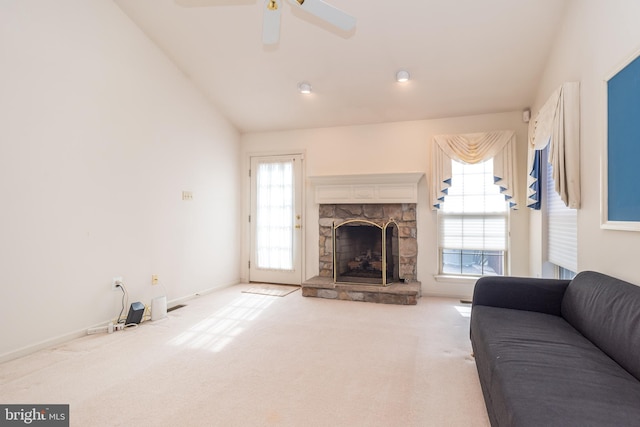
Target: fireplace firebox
(366,252)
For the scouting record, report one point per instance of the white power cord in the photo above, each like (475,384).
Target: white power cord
(100,329)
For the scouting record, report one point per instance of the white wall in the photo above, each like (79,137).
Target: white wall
(596,38)
(99,135)
(390,148)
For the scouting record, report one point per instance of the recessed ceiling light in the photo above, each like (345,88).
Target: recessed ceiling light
(402,76)
(304,88)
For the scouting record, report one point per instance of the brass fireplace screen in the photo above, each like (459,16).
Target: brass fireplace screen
(366,252)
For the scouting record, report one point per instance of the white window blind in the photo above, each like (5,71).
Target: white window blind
(473,232)
(474,213)
(562,228)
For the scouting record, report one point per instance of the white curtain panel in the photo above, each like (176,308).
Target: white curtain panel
(558,124)
(470,149)
(275,210)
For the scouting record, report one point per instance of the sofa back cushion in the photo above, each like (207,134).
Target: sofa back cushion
(606,311)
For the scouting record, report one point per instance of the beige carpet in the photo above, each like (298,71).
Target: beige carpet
(271,290)
(240,359)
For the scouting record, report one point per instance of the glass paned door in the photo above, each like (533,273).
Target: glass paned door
(276,219)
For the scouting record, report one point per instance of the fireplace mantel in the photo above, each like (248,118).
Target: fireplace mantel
(367,188)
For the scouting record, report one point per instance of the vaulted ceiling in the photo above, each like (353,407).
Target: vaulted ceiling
(464,56)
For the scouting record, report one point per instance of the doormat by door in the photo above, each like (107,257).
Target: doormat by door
(271,290)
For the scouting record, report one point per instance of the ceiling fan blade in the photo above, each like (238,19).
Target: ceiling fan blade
(271,23)
(326,12)
(209,3)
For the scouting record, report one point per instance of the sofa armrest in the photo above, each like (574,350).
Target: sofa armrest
(520,293)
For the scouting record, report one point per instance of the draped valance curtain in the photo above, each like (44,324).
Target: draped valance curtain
(474,148)
(557,124)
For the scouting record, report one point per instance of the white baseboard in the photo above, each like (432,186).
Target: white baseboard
(61,339)
(450,287)
(186,298)
(446,295)
(48,343)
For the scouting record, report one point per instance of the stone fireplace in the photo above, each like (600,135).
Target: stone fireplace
(367,239)
(359,239)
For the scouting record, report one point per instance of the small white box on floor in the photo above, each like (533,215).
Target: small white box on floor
(159,308)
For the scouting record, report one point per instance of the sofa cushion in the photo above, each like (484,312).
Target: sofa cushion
(606,310)
(520,293)
(537,370)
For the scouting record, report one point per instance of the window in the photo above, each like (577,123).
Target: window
(565,274)
(274,215)
(473,223)
(562,242)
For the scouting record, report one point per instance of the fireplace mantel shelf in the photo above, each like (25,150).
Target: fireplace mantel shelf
(367,188)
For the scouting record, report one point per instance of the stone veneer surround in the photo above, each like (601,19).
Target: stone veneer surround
(404,215)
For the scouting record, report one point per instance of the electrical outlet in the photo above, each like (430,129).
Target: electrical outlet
(115,282)
(154,279)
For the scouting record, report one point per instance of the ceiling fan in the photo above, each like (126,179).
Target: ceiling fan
(272,9)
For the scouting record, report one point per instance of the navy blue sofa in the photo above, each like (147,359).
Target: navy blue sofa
(558,352)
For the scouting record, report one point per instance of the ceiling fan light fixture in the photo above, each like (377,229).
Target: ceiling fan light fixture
(304,88)
(402,76)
